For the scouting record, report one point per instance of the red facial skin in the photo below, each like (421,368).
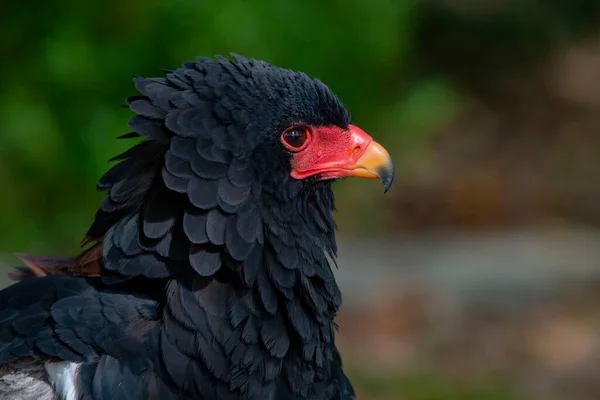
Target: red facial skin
(332,152)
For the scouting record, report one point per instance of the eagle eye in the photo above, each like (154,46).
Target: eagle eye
(296,138)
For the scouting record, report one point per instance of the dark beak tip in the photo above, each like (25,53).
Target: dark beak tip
(386,186)
(386,175)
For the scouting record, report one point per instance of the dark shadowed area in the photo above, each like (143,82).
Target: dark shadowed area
(476,277)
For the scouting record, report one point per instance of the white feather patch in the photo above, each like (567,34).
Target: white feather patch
(63,376)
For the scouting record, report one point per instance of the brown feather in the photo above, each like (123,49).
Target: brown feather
(88,263)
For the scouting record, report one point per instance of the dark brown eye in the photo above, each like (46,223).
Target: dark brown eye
(295,138)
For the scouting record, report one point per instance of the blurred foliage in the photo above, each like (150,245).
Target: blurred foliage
(474,41)
(68,66)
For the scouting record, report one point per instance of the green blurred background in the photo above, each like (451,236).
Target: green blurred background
(490,109)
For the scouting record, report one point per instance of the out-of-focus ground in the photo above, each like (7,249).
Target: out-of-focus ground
(477,277)
(454,315)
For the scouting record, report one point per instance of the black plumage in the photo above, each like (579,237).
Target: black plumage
(213,278)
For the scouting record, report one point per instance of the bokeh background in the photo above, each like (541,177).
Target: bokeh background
(476,277)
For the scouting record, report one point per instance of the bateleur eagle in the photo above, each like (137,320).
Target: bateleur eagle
(206,273)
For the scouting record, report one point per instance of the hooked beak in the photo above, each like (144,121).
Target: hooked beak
(338,154)
(374,163)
